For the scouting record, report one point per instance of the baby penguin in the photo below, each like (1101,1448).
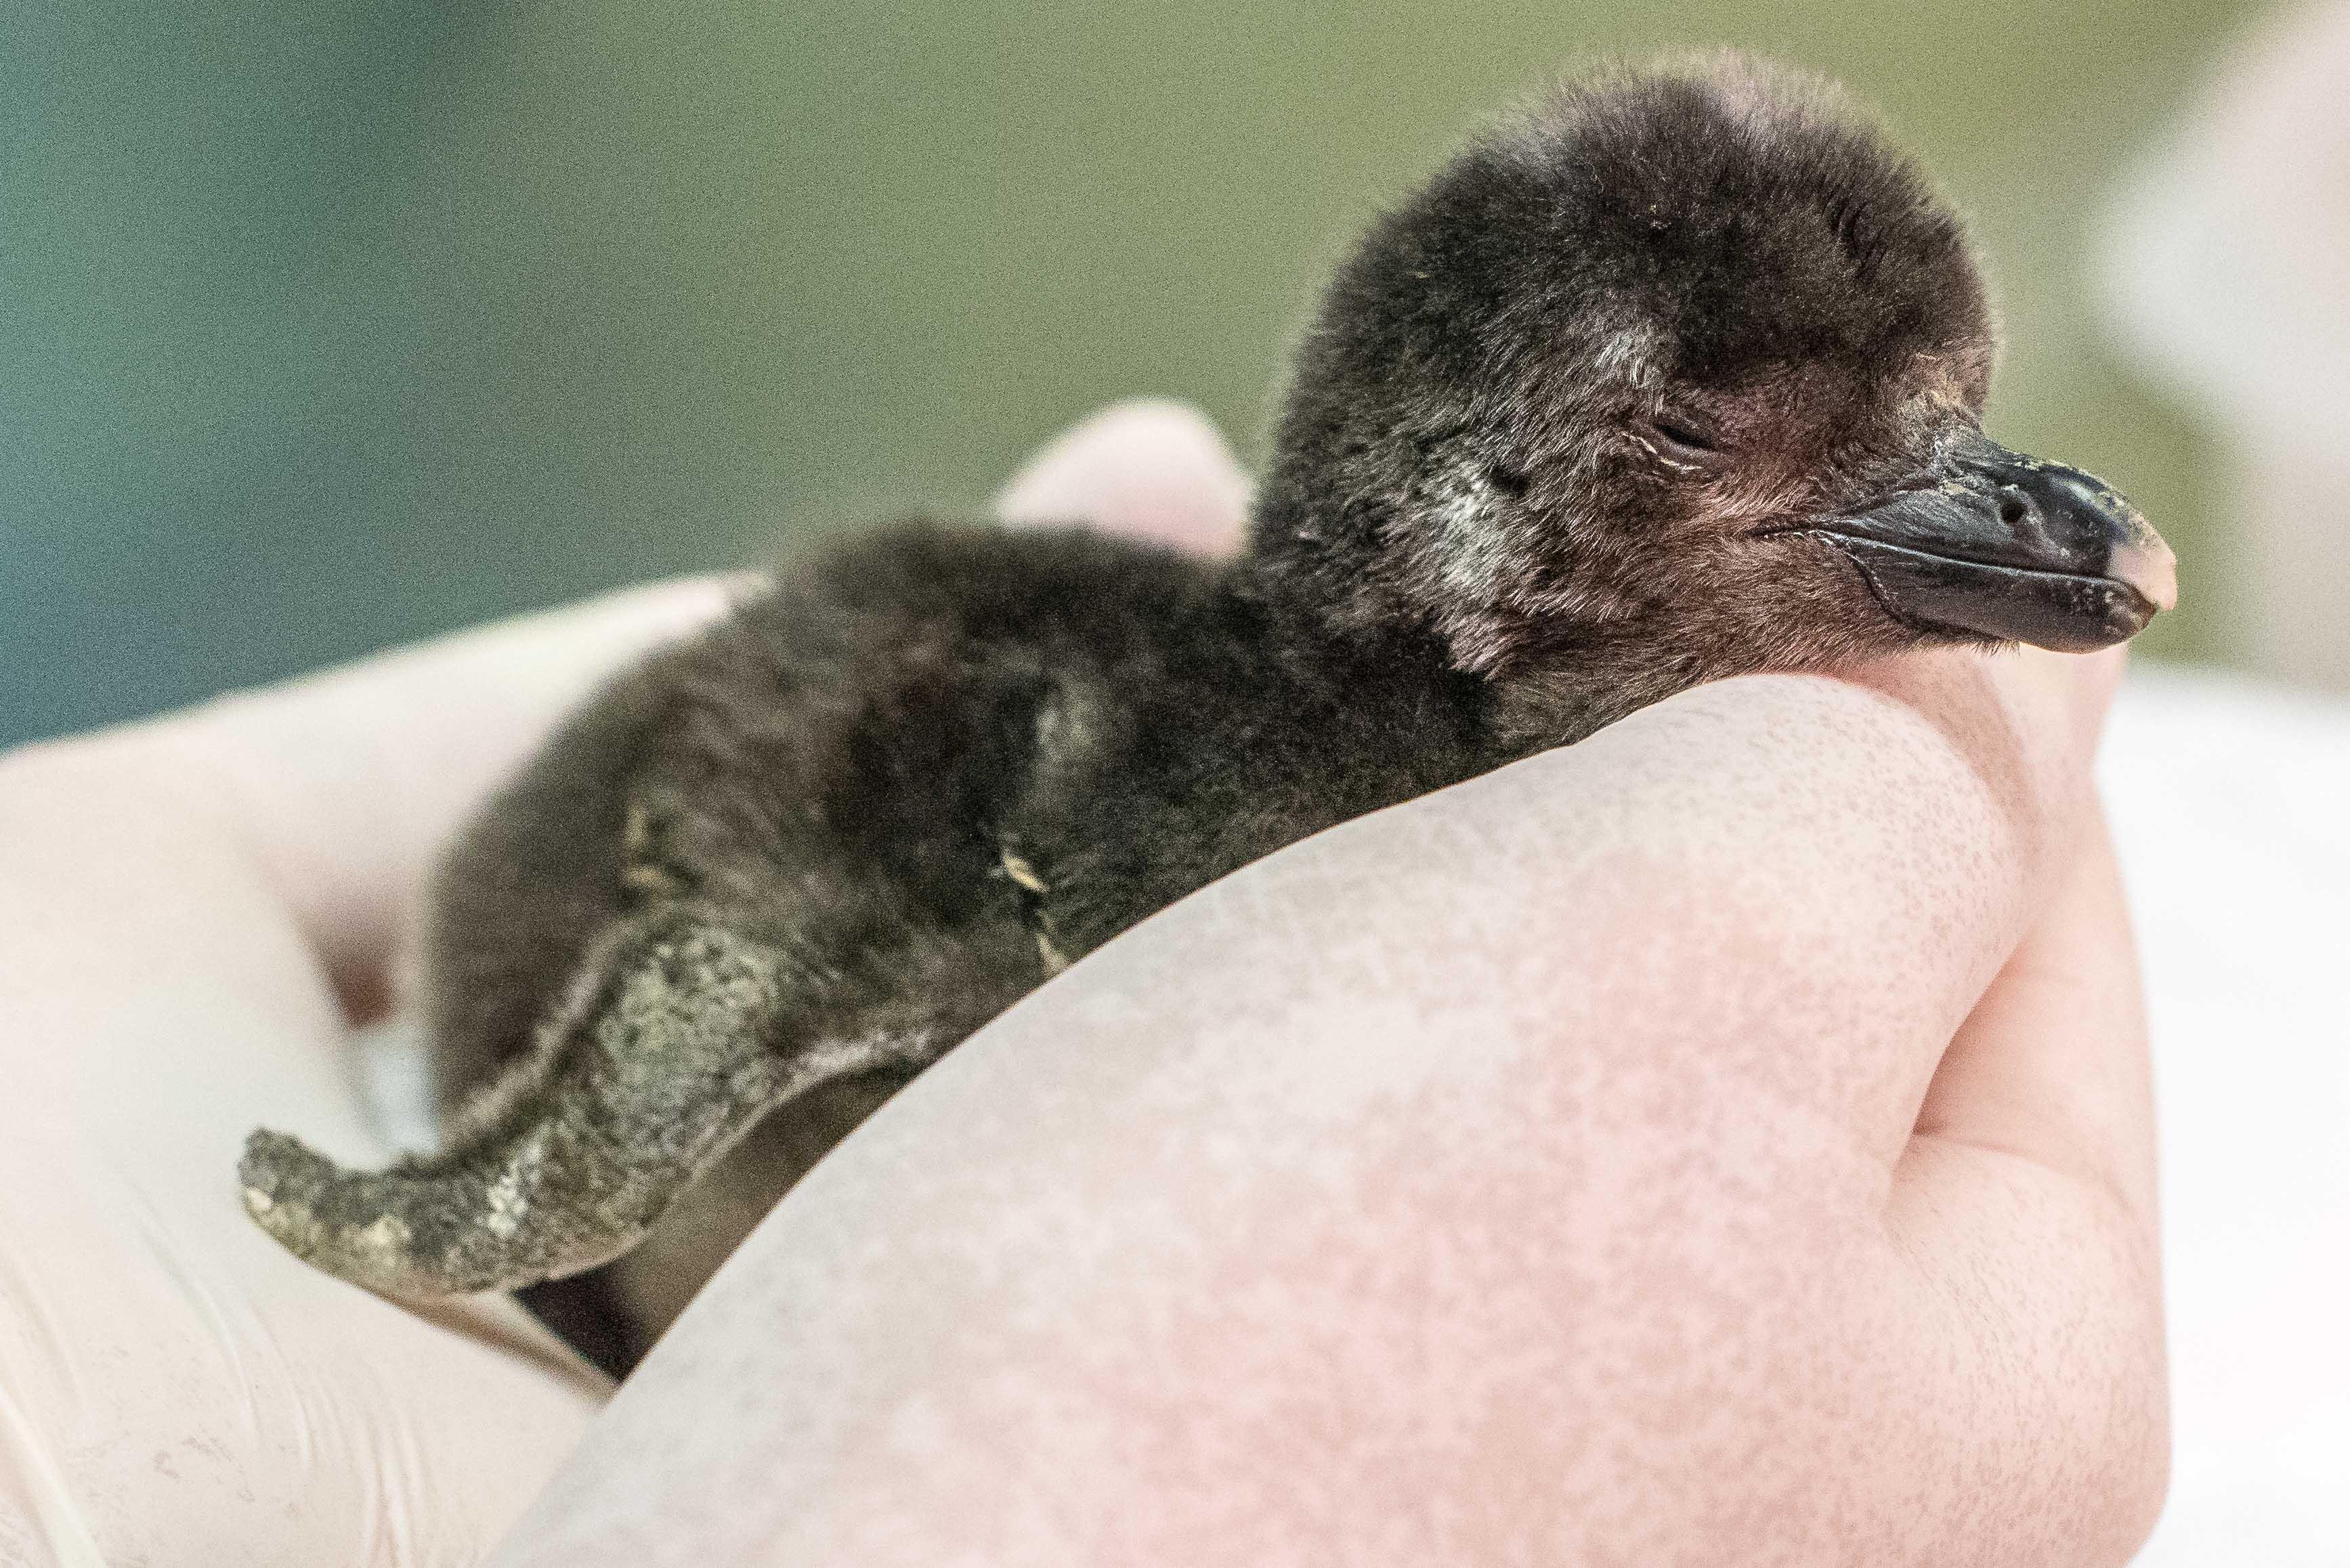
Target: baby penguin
(1676,377)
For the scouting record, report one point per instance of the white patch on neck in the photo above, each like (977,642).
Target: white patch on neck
(1460,509)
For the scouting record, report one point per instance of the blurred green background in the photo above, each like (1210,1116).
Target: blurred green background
(329,325)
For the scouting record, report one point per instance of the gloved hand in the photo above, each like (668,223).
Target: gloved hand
(194,913)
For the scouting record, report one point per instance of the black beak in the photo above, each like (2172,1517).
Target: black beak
(1993,542)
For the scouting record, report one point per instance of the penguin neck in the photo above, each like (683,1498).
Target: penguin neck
(1332,620)
(1312,566)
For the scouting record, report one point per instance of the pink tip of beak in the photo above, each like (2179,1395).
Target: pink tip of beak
(2146,563)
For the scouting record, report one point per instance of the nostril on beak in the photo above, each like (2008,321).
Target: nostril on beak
(2079,515)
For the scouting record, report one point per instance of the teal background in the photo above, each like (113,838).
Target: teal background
(325,325)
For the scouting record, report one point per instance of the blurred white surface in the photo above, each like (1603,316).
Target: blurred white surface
(2225,272)
(2226,266)
(2230,802)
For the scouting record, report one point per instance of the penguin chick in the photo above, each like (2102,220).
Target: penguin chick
(1676,377)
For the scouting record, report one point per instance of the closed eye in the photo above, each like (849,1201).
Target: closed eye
(1686,436)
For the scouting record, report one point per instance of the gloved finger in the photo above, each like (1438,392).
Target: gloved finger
(343,786)
(1147,469)
(2053,1066)
(2023,1215)
(174,1388)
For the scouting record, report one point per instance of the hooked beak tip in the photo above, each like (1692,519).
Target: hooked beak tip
(2146,564)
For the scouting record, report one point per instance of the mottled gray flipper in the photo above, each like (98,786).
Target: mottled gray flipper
(679,1039)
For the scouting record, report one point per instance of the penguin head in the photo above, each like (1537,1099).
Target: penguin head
(1678,375)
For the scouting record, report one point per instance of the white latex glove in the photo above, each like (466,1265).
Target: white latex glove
(194,913)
